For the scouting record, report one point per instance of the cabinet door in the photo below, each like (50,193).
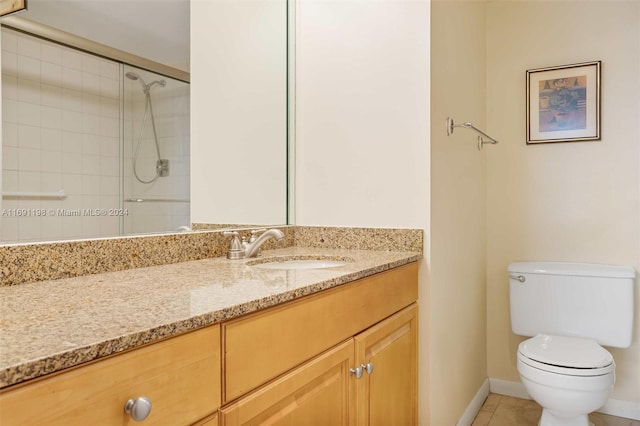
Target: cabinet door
(316,393)
(388,395)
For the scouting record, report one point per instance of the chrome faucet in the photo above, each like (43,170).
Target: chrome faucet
(251,248)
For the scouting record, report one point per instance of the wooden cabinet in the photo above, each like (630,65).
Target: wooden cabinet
(389,394)
(208,421)
(292,364)
(276,340)
(379,316)
(180,376)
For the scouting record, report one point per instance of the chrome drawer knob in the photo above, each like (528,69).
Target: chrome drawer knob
(139,409)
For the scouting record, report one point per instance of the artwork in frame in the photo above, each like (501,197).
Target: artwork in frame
(7,7)
(563,103)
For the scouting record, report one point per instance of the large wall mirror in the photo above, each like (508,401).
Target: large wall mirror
(186,123)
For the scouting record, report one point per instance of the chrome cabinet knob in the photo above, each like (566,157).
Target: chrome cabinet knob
(357,371)
(139,409)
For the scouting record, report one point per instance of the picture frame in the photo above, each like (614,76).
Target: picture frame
(563,103)
(9,7)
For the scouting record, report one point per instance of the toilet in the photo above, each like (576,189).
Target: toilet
(570,310)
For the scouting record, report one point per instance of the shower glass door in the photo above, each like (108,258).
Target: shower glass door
(155,152)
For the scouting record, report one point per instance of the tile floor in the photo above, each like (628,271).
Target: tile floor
(499,410)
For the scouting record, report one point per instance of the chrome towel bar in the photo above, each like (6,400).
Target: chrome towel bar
(23,194)
(481,139)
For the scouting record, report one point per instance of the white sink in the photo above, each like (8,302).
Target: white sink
(300,264)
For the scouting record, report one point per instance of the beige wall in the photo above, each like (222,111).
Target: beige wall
(362,123)
(565,201)
(458,174)
(361,113)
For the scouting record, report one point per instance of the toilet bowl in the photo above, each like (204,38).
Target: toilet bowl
(569,377)
(571,309)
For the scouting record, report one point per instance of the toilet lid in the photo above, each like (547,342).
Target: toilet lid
(574,352)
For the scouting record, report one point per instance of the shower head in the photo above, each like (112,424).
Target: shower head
(145,87)
(133,76)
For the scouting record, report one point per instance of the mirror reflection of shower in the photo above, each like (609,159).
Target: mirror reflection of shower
(162,165)
(155,133)
(84,164)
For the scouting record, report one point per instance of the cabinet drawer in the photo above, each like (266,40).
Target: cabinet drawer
(180,376)
(261,346)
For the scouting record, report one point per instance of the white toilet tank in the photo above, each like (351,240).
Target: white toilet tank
(573,299)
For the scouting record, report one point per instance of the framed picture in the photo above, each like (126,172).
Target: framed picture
(7,7)
(563,103)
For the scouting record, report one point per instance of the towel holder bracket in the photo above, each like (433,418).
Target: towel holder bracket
(482,135)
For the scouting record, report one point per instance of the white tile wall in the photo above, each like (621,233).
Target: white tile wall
(61,130)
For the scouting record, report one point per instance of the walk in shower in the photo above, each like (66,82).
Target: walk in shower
(91,147)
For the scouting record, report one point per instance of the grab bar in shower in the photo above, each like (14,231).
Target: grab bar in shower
(481,139)
(156,200)
(59,195)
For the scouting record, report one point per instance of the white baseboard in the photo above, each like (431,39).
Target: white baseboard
(614,407)
(475,405)
(620,408)
(509,388)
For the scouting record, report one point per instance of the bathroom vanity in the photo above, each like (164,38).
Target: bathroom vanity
(224,342)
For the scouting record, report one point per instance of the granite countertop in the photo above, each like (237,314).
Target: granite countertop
(52,325)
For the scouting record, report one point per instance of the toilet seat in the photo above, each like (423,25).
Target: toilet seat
(572,356)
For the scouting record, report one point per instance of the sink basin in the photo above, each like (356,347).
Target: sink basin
(299,264)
